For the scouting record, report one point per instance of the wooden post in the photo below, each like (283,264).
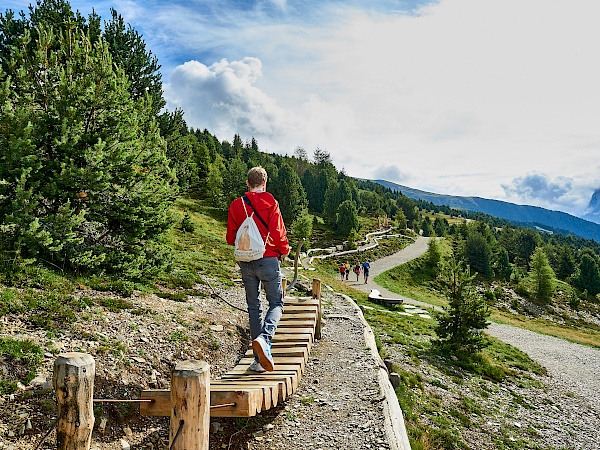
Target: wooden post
(316,293)
(283,285)
(73,382)
(190,403)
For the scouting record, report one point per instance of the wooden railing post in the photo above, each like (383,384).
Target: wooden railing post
(73,382)
(316,293)
(190,406)
(283,285)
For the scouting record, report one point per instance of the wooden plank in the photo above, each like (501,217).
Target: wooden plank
(296,324)
(299,309)
(296,352)
(292,330)
(296,337)
(283,369)
(247,402)
(161,402)
(298,316)
(310,329)
(272,389)
(290,379)
(300,301)
(280,360)
(284,344)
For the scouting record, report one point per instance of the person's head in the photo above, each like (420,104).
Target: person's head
(257,177)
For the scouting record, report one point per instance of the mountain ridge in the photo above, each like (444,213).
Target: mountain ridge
(535,216)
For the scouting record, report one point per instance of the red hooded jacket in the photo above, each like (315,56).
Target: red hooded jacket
(265,204)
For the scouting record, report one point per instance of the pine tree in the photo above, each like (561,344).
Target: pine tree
(400,219)
(459,329)
(289,192)
(541,275)
(440,226)
(478,253)
(427,227)
(234,179)
(347,218)
(566,262)
(434,256)
(588,275)
(85,178)
(128,50)
(302,228)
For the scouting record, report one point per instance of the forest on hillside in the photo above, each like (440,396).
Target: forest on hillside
(91,164)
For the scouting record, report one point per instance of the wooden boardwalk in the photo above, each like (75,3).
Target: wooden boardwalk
(243,393)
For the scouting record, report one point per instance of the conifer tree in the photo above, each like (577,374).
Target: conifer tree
(85,181)
(289,192)
(541,275)
(588,275)
(347,218)
(459,329)
(478,253)
(128,50)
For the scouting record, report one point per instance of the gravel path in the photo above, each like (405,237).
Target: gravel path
(574,367)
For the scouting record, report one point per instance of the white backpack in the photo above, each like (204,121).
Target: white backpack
(249,245)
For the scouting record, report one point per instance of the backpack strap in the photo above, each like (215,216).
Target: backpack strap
(247,200)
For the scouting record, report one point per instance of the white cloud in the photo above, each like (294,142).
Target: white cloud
(464,97)
(223,98)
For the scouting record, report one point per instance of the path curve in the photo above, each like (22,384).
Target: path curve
(379,266)
(573,367)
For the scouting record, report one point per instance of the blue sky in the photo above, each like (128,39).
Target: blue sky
(493,98)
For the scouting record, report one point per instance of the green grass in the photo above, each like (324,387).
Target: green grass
(201,252)
(23,357)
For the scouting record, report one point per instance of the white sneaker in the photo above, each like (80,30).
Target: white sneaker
(256,367)
(263,351)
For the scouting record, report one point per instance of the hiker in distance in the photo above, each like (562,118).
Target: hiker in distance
(357,270)
(365,267)
(259,255)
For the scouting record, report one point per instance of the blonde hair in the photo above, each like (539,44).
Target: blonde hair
(256,176)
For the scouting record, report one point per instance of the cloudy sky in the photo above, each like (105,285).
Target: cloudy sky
(491,98)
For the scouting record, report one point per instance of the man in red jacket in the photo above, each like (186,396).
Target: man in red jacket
(265,270)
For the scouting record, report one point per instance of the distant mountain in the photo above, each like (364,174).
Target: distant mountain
(592,212)
(532,216)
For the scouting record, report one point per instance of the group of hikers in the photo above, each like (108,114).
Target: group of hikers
(345,270)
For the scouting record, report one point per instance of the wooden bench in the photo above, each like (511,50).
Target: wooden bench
(375,296)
